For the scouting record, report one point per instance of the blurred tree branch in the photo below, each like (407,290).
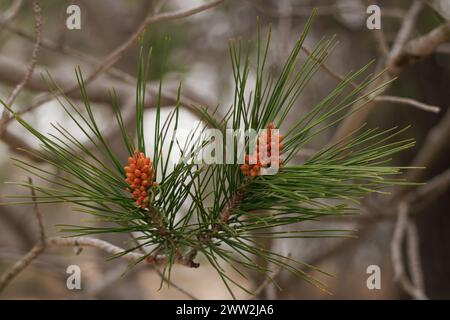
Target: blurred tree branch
(37,46)
(11,12)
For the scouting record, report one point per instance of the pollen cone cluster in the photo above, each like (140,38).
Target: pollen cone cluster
(140,177)
(256,161)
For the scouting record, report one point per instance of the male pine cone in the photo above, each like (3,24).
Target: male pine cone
(140,177)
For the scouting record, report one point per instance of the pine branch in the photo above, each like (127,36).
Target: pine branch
(189,211)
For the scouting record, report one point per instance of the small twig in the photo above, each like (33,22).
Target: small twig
(12,97)
(380,39)
(430,191)
(410,102)
(379,36)
(413,254)
(406,29)
(20,265)
(401,229)
(436,141)
(11,12)
(422,46)
(38,213)
(395,63)
(94,243)
(400,100)
(336,75)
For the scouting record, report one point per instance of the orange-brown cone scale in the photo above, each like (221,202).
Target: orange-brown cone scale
(252,169)
(140,177)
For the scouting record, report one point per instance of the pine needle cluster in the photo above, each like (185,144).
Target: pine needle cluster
(214,212)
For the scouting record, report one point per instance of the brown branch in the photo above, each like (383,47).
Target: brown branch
(12,97)
(20,265)
(11,12)
(406,29)
(435,142)
(401,229)
(396,61)
(379,36)
(428,192)
(38,213)
(421,47)
(409,102)
(400,100)
(413,254)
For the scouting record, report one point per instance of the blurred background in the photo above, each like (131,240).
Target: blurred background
(409,245)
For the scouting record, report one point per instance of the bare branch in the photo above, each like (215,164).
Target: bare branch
(38,29)
(422,47)
(430,191)
(38,213)
(410,102)
(71,242)
(380,39)
(11,12)
(20,265)
(406,29)
(413,254)
(397,257)
(396,61)
(436,141)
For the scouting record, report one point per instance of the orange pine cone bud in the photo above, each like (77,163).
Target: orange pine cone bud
(139,175)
